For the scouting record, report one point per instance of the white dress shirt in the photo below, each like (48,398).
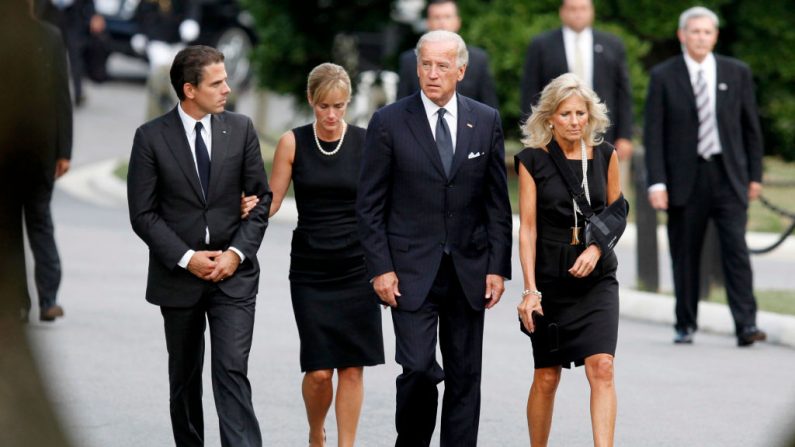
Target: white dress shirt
(189,126)
(584,41)
(451,117)
(711,77)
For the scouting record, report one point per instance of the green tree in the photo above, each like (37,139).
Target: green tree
(294,37)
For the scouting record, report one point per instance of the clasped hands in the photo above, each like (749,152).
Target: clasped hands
(386,287)
(214,265)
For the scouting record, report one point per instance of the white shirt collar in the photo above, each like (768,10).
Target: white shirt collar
(431,108)
(708,64)
(189,123)
(586,34)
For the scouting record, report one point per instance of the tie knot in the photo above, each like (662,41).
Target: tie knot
(441,112)
(199,126)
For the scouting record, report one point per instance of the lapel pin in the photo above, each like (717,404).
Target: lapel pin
(470,125)
(223,131)
(598,48)
(723,87)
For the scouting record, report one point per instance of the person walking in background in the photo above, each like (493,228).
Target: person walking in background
(478,84)
(435,223)
(165,27)
(76,19)
(704,161)
(337,313)
(597,57)
(187,171)
(578,321)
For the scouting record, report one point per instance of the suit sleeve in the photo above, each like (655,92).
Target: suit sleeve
(623,112)
(249,234)
(372,200)
(63,101)
(531,78)
(752,133)
(488,92)
(499,219)
(653,130)
(143,202)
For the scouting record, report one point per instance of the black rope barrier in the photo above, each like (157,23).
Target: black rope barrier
(781,212)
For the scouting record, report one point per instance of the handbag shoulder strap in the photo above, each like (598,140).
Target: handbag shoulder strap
(574,187)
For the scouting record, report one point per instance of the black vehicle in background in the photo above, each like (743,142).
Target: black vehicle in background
(222,24)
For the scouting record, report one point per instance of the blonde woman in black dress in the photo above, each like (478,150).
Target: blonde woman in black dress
(336,310)
(578,320)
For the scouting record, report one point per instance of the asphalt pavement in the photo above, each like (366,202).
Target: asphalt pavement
(106,361)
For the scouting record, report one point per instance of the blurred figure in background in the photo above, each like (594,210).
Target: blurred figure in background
(166,26)
(704,161)
(77,20)
(596,57)
(478,83)
(35,81)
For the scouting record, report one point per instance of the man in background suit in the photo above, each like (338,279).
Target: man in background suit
(187,171)
(597,57)
(435,224)
(75,19)
(47,147)
(704,161)
(478,83)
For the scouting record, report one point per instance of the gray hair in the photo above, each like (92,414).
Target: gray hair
(536,131)
(697,12)
(462,54)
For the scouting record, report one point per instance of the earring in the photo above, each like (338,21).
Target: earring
(551,126)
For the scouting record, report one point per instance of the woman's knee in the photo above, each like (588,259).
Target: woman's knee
(320,376)
(351,375)
(599,368)
(546,380)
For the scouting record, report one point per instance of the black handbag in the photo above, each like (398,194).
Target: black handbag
(603,229)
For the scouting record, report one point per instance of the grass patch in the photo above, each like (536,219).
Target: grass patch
(121,170)
(778,301)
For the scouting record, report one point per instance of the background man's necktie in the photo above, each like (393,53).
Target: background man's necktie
(705,123)
(202,160)
(444,141)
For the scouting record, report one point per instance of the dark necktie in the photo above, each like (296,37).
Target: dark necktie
(705,123)
(444,142)
(202,159)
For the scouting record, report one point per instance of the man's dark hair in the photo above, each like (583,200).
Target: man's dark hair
(188,66)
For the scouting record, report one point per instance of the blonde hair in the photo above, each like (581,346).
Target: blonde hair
(327,77)
(536,131)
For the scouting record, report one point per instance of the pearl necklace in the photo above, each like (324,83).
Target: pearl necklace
(339,144)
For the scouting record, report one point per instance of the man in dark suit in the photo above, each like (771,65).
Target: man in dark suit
(704,161)
(42,129)
(187,171)
(76,19)
(478,83)
(435,223)
(597,57)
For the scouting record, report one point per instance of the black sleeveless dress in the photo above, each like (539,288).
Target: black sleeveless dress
(335,307)
(580,314)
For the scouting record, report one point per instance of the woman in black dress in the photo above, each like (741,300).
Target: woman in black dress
(336,310)
(578,321)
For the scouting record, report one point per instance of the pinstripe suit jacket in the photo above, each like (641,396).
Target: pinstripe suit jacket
(409,210)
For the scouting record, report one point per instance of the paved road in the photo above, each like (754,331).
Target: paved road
(106,361)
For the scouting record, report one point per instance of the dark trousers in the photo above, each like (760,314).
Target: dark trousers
(41,237)
(231,328)
(461,342)
(712,198)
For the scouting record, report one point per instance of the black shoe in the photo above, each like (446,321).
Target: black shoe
(51,313)
(684,336)
(750,335)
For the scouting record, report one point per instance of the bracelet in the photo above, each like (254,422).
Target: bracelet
(537,293)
